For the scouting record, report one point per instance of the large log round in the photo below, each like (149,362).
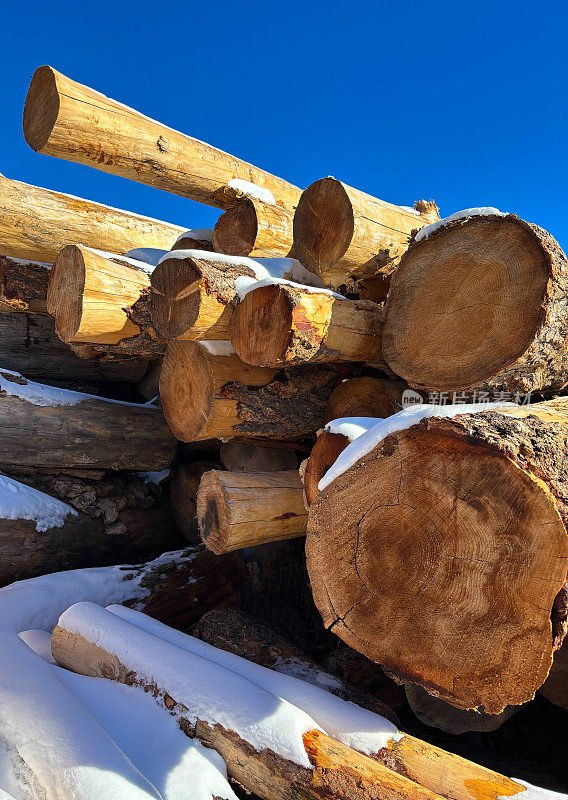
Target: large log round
(441,552)
(480,302)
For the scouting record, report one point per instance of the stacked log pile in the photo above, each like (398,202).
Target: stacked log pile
(264,391)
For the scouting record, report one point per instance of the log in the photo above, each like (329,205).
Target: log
(243,457)
(438,714)
(23,285)
(284,325)
(366,397)
(48,427)
(300,761)
(28,343)
(477,304)
(195,239)
(253,228)
(193,298)
(36,223)
(149,386)
(462,523)
(88,293)
(555,687)
(62,118)
(53,522)
(237,509)
(184,486)
(340,232)
(208,395)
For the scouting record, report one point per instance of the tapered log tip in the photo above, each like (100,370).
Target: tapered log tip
(186,389)
(465,303)
(65,291)
(260,326)
(41,108)
(323,225)
(236,230)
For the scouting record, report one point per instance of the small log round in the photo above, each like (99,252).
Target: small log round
(365,397)
(324,454)
(253,228)
(437,714)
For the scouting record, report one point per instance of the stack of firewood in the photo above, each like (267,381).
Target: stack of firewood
(322,364)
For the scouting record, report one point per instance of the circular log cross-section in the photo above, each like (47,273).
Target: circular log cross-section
(251,227)
(365,397)
(440,557)
(480,302)
(325,452)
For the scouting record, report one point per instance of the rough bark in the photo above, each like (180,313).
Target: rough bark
(285,325)
(242,457)
(340,232)
(23,285)
(62,118)
(482,304)
(57,428)
(36,223)
(461,523)
(240,509)
(253,228)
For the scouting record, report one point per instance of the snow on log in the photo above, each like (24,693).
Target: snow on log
(36,223)
(208,394)
(442,772)
(23,285)
(341,232)
(253,228)
(195,239)
(240,509)
(272,748)
(65,119)
(286,324)
(480,301)
(28,343)
(48,427)
(460,520)
(366,397)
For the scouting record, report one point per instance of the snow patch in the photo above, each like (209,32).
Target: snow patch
(18,501)
(252,190)
(155,477)
(428,230)
(244,285)
(352,427)
(534,792)
(199,234)
(39,642)
(218,348)
(28,261)
(146,255)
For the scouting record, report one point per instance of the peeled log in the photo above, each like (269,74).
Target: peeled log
(23,285)
(460,523)
(193,298)
(206,395)
(482,302)
(47,427)
(284,325)
(340,232)
(36,223)
(240,509)
(253,228)
(62,118)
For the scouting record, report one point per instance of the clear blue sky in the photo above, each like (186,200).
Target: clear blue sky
(462,102)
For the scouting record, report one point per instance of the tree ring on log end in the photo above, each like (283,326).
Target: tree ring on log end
(41,108)
(236,230)
(440,558)
(186,389)
(67,283)
(174,298)
(324,454)
(260,326)
(211,514)
(323,225)
(465,303)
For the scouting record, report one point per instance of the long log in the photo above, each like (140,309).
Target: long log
(284,325)
(23,285)
(461,522)
(28,342)
(340,232)
(207,394)
(240,509)
(476,303)
(253,228)
(53,522)
(48,427)
(65,119)
(193,297)
(299,760)
(36,223)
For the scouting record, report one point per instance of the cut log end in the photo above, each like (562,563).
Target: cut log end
(440,558)
(236,230)
(65,291)
(41,108)
(175,297)
(365,397)
(212,513)
(260,326)
(465,303)
(186,388)
(324,453)
(317,244)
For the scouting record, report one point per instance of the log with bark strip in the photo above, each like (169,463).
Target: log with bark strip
(480,302)
(282,324)
(48,427)
(28,343)
(207,392)
(460,522)
(340,232)
(253,228)
(65,119)
(23,285)
(36,223)
(241,509)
